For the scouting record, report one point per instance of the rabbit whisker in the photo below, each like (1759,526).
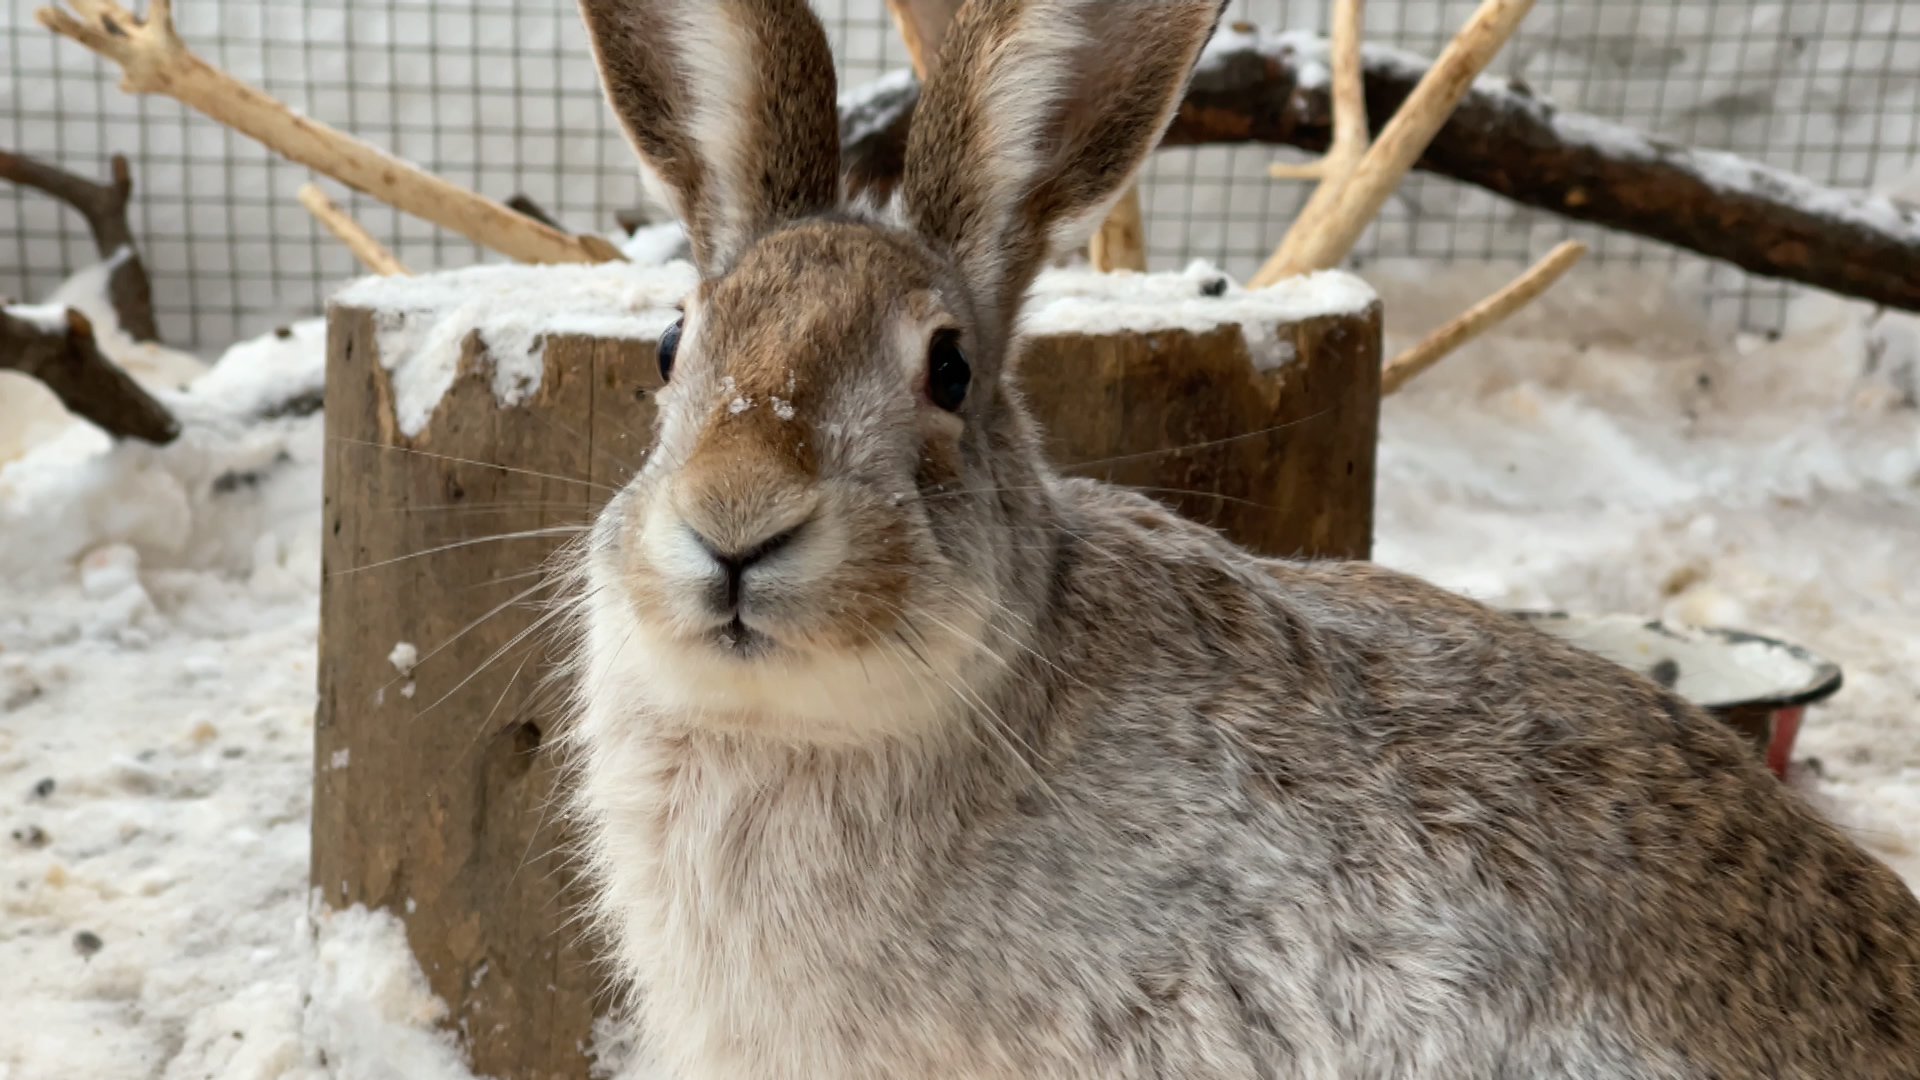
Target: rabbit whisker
(1141,488)
(470,461)
(548,420)
(1321,415)
(495,507)
(528,534)
(531,629)
(464,631)
(1015,640)
(1010,744)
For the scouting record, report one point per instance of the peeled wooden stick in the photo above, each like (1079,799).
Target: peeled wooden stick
(1121,243)
(1322,241)
(1350,133)
(371,253)
(1482,317)
(155,61)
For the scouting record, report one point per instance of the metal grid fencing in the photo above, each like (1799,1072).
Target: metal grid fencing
(500,96)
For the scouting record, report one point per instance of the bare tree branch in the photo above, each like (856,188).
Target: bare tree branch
(1500,138)
(60,351)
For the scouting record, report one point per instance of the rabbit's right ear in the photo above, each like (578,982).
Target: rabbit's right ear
(1035,120)
(731,107)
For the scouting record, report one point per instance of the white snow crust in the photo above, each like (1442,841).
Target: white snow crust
(423,322)
(1080,300)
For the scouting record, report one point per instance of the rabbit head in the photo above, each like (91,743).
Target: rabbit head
(839,518)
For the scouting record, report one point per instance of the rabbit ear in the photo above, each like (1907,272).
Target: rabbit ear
(1036,118)
(731,107)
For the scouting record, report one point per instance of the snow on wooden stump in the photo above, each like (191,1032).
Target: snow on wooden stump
(471,430)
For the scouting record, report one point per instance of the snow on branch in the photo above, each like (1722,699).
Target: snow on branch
(1254,87)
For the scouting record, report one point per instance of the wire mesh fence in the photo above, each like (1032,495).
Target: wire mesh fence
(501,96)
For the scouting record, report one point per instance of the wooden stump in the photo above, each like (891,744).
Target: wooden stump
(1281,461)
(434,788)
(432,791)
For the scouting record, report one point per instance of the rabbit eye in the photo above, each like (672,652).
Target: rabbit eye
(948,374)
(669,348)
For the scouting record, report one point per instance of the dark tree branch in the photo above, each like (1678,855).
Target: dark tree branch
(105,208)
(66,358)
(1249,90)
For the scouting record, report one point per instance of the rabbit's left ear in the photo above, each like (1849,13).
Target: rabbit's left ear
(1038,115)
(731,107)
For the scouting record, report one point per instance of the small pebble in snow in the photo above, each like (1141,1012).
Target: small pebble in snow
(403,657)
(86,943)
(283,332)
(32,836)
(1666,673)
(1216,287)
(43,789)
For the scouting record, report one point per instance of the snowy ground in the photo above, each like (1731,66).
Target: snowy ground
(158,609)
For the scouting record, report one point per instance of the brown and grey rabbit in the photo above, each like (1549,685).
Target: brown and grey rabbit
(902,756)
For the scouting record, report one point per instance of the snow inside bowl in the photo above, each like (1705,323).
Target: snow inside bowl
(1759,686)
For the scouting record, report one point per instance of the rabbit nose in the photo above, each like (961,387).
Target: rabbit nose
(735,562)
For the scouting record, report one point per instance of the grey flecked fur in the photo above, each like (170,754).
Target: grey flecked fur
(1019,776)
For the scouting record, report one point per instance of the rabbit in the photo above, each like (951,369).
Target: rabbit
(897,754)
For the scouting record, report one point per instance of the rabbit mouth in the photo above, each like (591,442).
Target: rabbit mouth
(741,641)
